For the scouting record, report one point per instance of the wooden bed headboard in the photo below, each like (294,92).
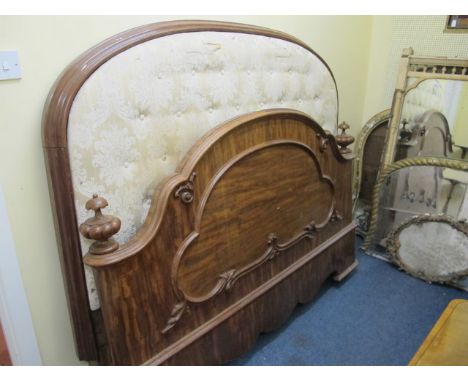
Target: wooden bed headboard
(214,215)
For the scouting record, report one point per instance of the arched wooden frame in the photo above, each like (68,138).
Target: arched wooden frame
(86,323)
(361,140)
(421,127)
(419,69)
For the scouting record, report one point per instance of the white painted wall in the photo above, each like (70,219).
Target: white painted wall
(14,308)
(389,36)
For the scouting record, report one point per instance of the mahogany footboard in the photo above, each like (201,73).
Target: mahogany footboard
(257,217)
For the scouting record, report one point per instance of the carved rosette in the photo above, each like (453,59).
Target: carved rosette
(323,142)
(100,227)
(185,191)
(343,140)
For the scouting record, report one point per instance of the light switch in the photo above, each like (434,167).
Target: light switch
(9,65)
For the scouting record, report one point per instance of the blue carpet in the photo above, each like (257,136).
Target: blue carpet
(377,316)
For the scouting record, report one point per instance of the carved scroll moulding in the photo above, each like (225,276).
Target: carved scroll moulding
(433,248)
(198,277)
(249,196)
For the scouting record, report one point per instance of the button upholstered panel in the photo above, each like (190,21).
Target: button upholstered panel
(139,113)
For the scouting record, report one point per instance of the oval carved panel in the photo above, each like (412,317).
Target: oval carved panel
(245,219)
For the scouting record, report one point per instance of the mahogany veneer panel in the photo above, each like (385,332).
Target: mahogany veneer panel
(255,220)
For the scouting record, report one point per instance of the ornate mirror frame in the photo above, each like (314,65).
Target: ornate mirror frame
(359,145)
(394,246)
(454,164)
(413,70)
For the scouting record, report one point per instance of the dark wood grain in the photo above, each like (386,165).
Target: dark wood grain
(55,143)
(372,153)
(264,186)
(264,311)
(228,234)
(68,241)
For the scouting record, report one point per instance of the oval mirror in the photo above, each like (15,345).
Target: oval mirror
(431,247)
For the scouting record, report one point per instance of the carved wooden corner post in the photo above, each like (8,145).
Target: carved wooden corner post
(343,140)
(100,227)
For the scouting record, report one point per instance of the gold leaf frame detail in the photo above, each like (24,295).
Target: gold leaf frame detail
(454,164)
(420,69)
(361,140)
(393,245)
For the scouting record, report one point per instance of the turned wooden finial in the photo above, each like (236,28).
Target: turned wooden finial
(100,227)
(407,52)
(344,139)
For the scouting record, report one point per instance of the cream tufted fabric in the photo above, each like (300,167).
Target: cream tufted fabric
(136,117)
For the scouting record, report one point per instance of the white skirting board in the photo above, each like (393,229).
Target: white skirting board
(14,310)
